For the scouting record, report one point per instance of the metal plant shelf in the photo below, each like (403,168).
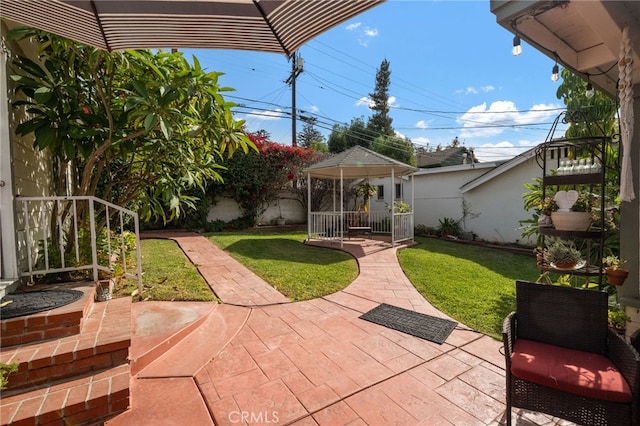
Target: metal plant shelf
(577,179)
(553,232)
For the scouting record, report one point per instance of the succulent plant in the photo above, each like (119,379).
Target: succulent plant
(561,252)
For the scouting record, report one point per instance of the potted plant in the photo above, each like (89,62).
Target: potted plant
(105,285)
(448,228)
(615,274)
(562,255)
(570,210)
(618,319)
(365,191)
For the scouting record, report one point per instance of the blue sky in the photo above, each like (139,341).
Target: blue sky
(452,74)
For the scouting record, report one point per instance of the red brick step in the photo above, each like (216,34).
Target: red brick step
(80,401)
(60,322)
(79,378)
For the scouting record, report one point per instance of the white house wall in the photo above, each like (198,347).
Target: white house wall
(31,173)
(500,204)
(498,201)
(438,195)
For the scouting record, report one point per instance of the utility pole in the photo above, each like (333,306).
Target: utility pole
(297,66)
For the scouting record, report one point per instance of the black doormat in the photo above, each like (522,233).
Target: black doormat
(414,323)
(32,302)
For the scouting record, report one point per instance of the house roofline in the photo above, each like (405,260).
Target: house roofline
(500,169)
(456,168)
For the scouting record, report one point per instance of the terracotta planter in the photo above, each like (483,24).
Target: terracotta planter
(620,331)
(616,276)
(571,221)
(568,265)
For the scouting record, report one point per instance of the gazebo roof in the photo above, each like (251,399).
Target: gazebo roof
(359,162)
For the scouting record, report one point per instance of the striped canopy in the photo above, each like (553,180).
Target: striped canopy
(278,26)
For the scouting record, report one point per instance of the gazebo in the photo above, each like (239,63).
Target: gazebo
(358,163)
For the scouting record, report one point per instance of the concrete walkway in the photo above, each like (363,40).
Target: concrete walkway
(306,363)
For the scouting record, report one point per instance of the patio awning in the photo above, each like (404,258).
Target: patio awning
(359,162)
(277,26)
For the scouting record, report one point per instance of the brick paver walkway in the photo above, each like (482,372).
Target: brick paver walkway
(316,362)
(230,281)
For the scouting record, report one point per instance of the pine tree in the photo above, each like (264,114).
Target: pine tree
(310,136)
(380,122)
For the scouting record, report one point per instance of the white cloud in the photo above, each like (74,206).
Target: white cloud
(365,100)
(364,32)
(482,121)
(421,141)
(265,115)
(314,108)
(474,91)
(503,150)
(422,124)
(370,32)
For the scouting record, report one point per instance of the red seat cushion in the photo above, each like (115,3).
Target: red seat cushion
(577,372)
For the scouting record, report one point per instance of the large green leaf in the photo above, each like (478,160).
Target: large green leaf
(150,122)
(140,88)
(45,136)
(43,95)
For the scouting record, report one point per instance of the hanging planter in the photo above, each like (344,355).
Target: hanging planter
(616,276)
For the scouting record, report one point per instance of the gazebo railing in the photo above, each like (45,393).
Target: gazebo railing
(327,225)
(403,227)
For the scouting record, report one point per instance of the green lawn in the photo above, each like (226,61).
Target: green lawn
(474,285)
(167,275)
(298,271)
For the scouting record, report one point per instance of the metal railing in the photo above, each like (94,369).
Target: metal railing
(53,238)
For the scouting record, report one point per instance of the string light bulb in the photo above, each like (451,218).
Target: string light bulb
(517,49)
(555,73)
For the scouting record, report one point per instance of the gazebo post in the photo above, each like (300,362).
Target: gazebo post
(334,196)
(393,209)
(413,208)
(309,206)
(341,227)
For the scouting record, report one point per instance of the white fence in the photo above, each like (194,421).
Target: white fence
(55,241)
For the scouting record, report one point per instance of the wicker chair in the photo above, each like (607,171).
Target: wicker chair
(568,320)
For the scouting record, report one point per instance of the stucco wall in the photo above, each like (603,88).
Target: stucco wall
(292,211)
(500,204)
(31,174)
(497,202)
